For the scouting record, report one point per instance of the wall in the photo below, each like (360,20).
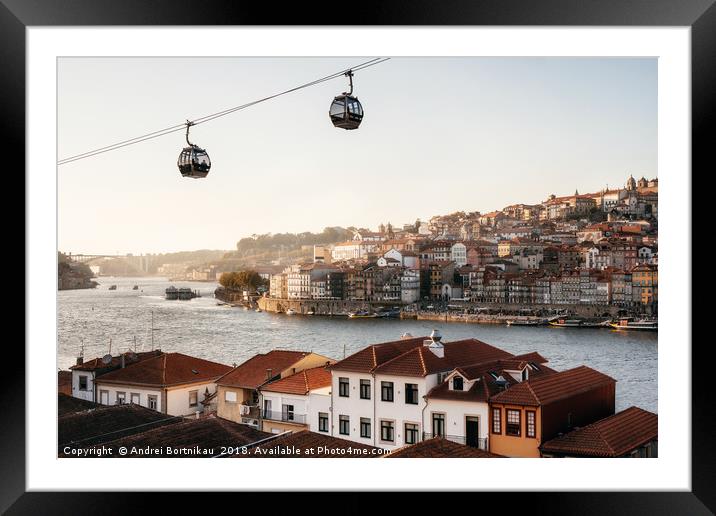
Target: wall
(128,390)
(399,411)
(353,406)
(455,412)
(86,394)
(512,446)
(319,401)
(178,398)
(231,410)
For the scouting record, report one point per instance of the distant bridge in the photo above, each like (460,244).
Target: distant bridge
(141,262)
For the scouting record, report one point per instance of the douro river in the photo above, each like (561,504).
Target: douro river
(231,335)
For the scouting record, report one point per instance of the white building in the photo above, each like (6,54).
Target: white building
(172,383)
(299,401)
(410,286)
(85,373)
(378,394)
(458,254)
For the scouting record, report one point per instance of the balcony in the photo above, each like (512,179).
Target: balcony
(286,417)
(249,411)
(481,442)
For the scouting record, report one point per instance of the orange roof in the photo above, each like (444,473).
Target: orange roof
(129,358)
(302,382)
(253,373)
(166,369)
(420,361)
(549,388)
(365,360)
(613,436)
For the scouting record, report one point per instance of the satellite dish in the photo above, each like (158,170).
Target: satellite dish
(107,359)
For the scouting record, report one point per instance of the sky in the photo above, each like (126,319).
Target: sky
(439,135)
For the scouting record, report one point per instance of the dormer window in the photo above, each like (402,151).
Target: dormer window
(457,383)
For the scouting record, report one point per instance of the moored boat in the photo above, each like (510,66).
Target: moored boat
(112,287)
(362,314)
(577,323)
(629,323)
(526,322)
(290,311)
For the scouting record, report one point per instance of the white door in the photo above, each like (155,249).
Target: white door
(104,397)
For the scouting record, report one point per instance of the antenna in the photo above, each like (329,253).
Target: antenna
(110,346)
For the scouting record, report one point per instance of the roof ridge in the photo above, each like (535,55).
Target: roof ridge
(305,379)
(422,360)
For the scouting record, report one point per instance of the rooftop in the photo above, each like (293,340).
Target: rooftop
(166,369)
(438,448)
(552,387)
(302,382)
(130,357)
(612,436)
(67,404)
(253,373)
(105,423)
(209,433)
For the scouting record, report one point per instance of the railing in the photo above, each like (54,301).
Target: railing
(249,411)
(480,443)
(288,417)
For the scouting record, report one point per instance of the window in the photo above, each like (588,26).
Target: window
(438,425)
(524,374)
(365,389)
(387,431)
(496,421)
(286,412)
(441,377)
(457,383)
(152,402)
(411,433)
(134,398)
(83,383)
(513,423)
(344,425)
(365,427)
(411,393)
(386,391)
(322,422)
(531,429)
(343,387)
(121,398)
(230,396)
(193,398)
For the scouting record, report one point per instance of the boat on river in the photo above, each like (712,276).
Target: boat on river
(527,322)
(629,323)
(290,311)
(564,322)
(135,287)
(362,314)
(112,287)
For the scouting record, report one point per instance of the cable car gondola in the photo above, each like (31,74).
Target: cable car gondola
(193,161)
(346,112)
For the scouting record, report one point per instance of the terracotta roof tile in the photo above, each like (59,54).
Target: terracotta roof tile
(613,436)
(206,433)
(552,387)
(95,364)
(166,369)
(67,404)
(252,373)
(438,447)
(302,382)
(368,358)
(420,361)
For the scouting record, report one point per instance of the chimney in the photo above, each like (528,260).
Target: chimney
(434,344)
(80,360)
(121,360)
(268,374)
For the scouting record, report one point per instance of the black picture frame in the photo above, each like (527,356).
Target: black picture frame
(699,15)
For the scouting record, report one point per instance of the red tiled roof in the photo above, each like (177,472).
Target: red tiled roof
(365,360)
(166,369)
(438,447)
(613,436)
(302,382)
(552,387)
(252,373)
(420,361)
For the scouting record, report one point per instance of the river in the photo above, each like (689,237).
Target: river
(231,335)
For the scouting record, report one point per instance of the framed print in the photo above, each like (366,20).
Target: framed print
(428,233)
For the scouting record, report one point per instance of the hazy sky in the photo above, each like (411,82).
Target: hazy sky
(439,135)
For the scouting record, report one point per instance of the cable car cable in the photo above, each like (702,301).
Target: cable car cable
(213,116)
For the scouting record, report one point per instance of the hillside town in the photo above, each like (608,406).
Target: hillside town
(584,250)
(411,397)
